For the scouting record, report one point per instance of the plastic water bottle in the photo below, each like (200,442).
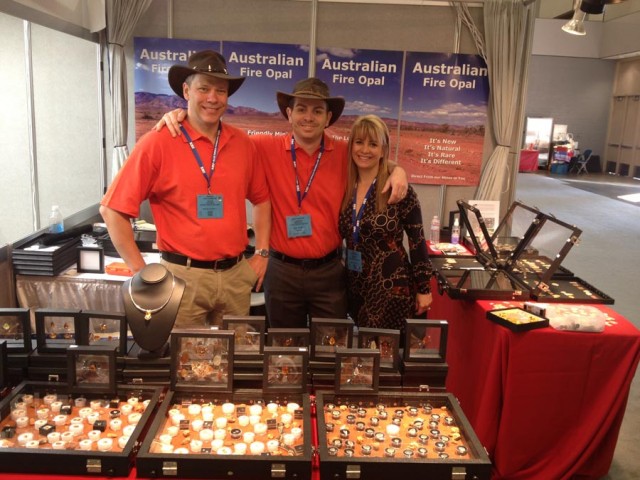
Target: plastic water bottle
(56,224)
(435,231)
(455,232)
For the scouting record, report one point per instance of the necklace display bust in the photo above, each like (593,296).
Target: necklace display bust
(151,300)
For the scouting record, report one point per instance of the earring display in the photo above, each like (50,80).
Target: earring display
(248,335)
(45,429)
(327,335)
(202,360)
(375,433)
(91,369)
(357,370)
(104,329)
(288,337)
(247,434)
(90,259)
(386,341)
(285,369)
(56,329)
(15,329)
(425,341)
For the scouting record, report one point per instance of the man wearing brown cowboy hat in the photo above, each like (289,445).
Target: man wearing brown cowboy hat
(307,172)
(197,185)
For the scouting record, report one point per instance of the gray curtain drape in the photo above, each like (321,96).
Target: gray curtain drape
(508,30)
(122,16)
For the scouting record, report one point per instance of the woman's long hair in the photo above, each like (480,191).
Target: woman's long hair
(373,128)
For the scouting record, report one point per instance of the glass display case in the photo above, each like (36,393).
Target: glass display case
(205,429)
(520,261)
(385,435)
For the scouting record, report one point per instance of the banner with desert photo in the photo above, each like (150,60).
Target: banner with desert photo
(369,80)
(153,58)
(433,103)
(443,116)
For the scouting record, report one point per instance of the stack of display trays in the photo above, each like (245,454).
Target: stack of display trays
(327,336)
(86,426)
(34,258)
(15,332)
(205,429)
(363,433)
(249,336)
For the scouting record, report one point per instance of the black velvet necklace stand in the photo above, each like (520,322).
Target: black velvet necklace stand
(151,301)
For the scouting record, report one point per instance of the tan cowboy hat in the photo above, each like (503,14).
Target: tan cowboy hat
(312,88)
(206,62)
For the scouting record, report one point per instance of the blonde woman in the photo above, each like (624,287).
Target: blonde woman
(385,284)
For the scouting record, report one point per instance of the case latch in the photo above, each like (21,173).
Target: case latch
(170,468)
(278,470)
(458,473)
(94,465)
(353,471)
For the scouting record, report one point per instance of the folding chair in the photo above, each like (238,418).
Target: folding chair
(581,162)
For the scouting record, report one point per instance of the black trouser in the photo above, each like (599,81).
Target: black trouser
(294,292)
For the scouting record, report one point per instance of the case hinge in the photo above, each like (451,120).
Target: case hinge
(278,470)
(52,377)
(544,287)
(137,381)
(94,465)
(353,471)
(458,473)
(424,388)
(170,469)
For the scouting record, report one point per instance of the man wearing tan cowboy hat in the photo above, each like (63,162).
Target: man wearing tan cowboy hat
(306,172)
(197,185)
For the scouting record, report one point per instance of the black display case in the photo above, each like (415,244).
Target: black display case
(50,428)
(391,435)
(15,329)
(207,430)
(520,261)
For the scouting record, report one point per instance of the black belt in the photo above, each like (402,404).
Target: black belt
(306,262)
(221,264)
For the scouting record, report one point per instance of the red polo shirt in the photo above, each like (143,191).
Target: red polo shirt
(164,170)
(322,202)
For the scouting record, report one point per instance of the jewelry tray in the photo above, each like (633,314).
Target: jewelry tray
(350,444)
(26,404)
(180,424)
(517,319)
(521,260)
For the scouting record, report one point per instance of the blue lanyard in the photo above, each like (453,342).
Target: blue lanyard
(214,157)
(313,172)
(357,216)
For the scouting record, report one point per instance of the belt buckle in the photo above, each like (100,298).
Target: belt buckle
(310,263)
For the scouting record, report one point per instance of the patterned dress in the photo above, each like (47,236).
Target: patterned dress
(383,294)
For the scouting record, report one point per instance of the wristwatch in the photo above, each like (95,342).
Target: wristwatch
(263,252)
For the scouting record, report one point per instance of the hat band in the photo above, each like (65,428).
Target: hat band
(310,93)
(210,70)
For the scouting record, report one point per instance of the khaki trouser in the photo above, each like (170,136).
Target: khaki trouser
(210,294)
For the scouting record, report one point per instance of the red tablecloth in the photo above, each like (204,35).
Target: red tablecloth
(546,404)
(528,160)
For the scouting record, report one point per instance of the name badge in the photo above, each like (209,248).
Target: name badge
(210,206)
(354,261)
(299,226)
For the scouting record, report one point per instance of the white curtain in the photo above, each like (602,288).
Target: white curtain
(508,28)
(122,16)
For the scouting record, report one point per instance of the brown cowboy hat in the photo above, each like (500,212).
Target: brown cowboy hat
(206,62)
(312,88)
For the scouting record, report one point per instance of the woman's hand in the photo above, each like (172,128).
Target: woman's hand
(423,302)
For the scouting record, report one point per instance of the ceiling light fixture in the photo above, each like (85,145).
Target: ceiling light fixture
(575,26)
